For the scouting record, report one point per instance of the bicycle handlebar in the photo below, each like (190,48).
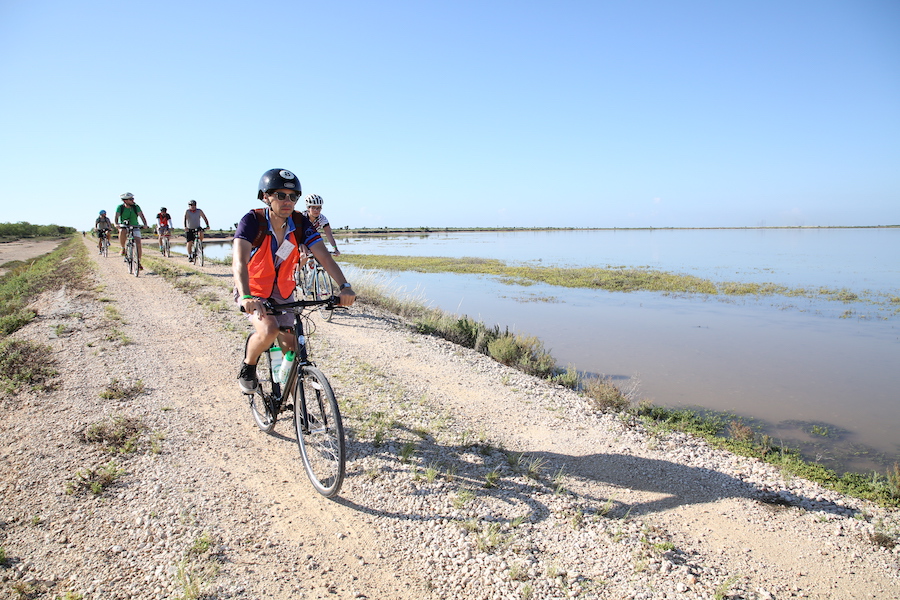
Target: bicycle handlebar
(275,309)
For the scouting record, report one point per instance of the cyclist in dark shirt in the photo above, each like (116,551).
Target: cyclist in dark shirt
(264,261)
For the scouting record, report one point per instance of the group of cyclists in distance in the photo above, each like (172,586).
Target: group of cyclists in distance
(129,215)
(270,245)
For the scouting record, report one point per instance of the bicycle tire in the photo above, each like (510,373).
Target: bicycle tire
(167,249)
(309,285)
(322,444)
(324,290)
(104,248)
(129,258)
(200,252)
(261,402)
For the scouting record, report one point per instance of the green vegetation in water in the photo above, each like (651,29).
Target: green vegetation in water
(611,279)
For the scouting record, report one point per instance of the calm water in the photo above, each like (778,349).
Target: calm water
(790,365)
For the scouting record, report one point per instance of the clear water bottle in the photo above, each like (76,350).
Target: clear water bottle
(275,359)
(286,365)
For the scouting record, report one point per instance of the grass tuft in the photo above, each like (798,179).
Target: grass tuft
(117,390)
(121,434)
(26,364)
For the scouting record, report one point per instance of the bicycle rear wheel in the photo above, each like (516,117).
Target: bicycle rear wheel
(262,402)
(321,436)
(323,291)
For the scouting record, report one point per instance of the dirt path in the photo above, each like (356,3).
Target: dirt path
(612,511)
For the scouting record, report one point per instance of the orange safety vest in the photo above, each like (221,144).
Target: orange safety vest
(264,275)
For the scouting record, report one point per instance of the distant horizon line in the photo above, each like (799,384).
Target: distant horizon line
(347,229)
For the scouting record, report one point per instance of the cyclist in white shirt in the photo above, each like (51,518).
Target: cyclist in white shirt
(314,214)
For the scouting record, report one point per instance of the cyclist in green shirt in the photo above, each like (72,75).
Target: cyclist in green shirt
(127,215)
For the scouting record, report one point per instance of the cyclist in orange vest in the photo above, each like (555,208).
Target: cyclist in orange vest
(263,264)
(163,225)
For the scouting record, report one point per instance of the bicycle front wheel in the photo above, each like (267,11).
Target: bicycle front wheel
(324,291)
(129,258)
(167,250)
(262,402)
(320,431)
(200,253)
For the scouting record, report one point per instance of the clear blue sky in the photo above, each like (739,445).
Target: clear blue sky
(401,113)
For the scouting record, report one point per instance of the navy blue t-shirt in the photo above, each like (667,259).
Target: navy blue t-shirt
(249,226)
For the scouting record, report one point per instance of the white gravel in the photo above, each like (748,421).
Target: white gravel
(583,505)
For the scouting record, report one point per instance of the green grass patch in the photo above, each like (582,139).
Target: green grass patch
(26,364)
(118,434)
(724,432)
(620,279)
(612,279)
(118,390)
(67,265)
(95,480)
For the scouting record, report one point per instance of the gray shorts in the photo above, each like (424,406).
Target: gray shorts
(284,321)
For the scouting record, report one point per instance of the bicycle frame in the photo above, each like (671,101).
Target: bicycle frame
(104,241)
(197,248)
(314,281)
(164,240)
(302,353)
(307,275)
(131,255)
(317,419)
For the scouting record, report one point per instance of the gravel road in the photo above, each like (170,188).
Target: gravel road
(466,479)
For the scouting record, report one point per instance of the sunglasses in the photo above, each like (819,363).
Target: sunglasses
(282,196)
(315,207)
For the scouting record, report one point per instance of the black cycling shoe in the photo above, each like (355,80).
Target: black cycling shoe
(247,379)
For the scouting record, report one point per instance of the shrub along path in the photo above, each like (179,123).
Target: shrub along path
(142,475)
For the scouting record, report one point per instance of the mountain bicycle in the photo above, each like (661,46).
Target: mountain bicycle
(314,283)
(104,243)
(165,245)
(131,257)
(196,255)
(307,392)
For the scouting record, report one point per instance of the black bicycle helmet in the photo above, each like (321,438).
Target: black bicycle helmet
(277,179)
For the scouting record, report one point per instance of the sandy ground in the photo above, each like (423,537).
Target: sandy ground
(24,250)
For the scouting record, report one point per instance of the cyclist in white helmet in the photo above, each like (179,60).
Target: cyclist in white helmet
(314,214)
(127,215)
